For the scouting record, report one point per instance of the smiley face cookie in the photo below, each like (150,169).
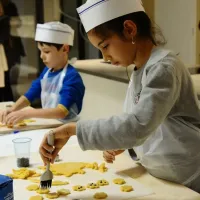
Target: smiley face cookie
(79,188)
(92,186)
(102,182)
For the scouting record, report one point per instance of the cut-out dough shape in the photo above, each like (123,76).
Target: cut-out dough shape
(33,187)
(22,173)
(126,188)
(43,191)
(100,195)
(38,197)
(119,181)
(52,195)
(103,168)
(63,192)
(71,168)
(57,183)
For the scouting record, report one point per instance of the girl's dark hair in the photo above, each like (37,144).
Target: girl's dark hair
(144,27)
(58,46)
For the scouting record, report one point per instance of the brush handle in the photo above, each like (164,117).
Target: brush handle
(50,138)
(50,141)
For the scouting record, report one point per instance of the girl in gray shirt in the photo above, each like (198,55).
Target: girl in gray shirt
(161,118)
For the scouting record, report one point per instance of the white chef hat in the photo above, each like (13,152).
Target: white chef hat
(96,12)
(54,32)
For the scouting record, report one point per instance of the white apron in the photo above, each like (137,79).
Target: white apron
(50,94)
(152,153)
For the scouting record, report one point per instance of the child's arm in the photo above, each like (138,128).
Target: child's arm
(48,113)
(22,102)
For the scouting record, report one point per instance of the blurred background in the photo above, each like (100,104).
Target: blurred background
(178,19)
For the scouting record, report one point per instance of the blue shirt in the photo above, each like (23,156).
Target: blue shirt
(72,91)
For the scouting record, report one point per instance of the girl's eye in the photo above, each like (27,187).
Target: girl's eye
(105,47)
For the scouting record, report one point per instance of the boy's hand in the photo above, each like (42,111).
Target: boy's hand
(109,156)
(15,117)
(3,115)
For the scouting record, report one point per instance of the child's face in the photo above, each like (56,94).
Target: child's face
(115,49)
(51,56)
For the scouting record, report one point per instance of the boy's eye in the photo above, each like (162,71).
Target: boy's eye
(46,51)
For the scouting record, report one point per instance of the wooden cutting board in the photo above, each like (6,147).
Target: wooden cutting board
(32,125)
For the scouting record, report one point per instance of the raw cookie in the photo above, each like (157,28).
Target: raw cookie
(78,188)
(57,183)
(34,180)
(102,182)
(100,195)
(52,195)
(103,168)
(38,197)
(126,188)
(63,192)
(67,169)
(42,191)
(32,187)
(36,175)
(92,185)
(22,173)
(119,181)
(21,124)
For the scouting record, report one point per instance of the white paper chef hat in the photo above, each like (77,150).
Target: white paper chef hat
(54,32)
(96,12)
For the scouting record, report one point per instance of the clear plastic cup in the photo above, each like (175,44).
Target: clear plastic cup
(22,151)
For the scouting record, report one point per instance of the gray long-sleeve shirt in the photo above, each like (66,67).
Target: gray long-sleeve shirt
(162,121)
(166,92)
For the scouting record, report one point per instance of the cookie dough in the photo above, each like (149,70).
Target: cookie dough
(119,181)
(33,187)
(92,185)
(102,182)
(42,191)
(100,195)
(21,124)
(22,173)
(67,169)
(126,188)
(79,188)
(52,195)
(103,168)
(38,197)
(34,180)
(57,183)
(36,175)
(63,192)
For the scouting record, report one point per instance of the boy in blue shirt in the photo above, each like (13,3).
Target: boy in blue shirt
(59,86)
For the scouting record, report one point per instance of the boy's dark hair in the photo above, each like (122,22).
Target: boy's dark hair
(58,46)
(144,27)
